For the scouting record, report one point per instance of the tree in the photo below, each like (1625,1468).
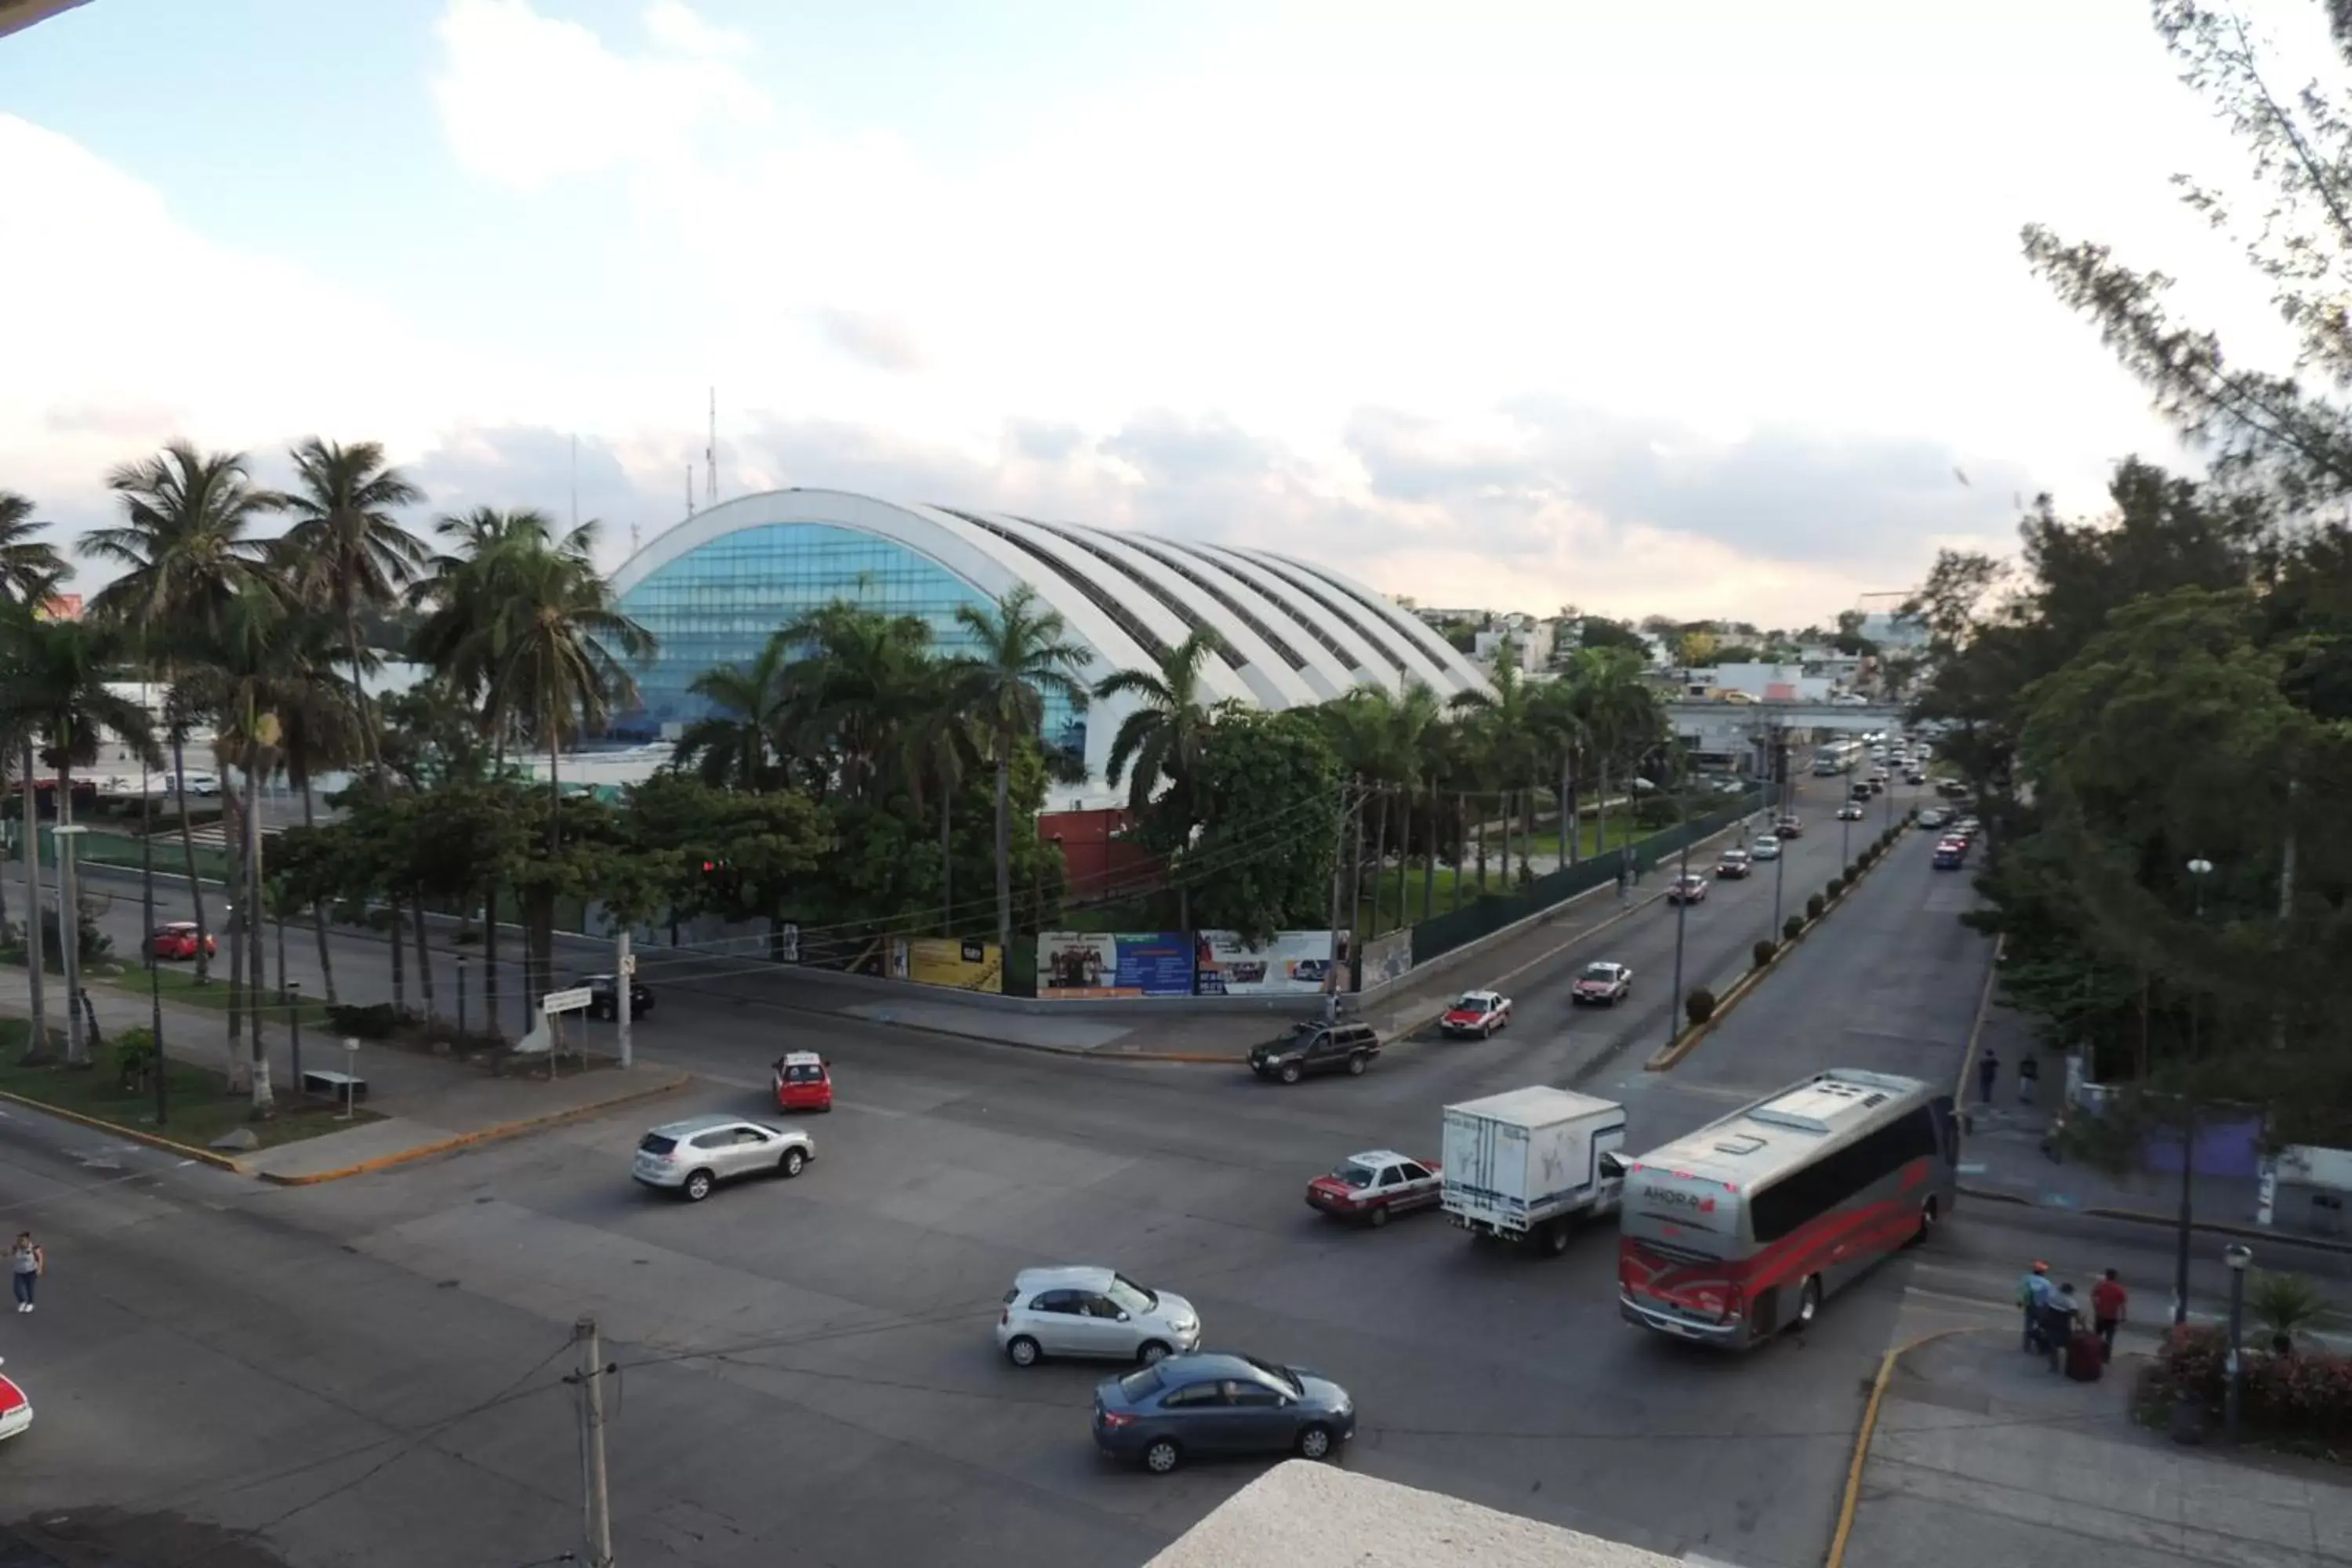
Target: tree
(740,742)
(1160,741)
(1023,653)
(1597,631)
(29,568)
(1268,789)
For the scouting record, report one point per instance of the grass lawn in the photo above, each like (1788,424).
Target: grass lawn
(179,984)
(200,1104)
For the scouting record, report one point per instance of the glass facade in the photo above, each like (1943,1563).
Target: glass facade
(719,603)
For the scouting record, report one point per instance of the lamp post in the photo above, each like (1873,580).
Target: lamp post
(2239,1258)
(147,931)
(2198,870)
(294,1029)
(1682,909)
(69,924)
(461,995)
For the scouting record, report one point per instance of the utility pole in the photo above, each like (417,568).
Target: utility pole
(597,1518)
(624,971)
(1356,899)
(1681,908)
(1338,864)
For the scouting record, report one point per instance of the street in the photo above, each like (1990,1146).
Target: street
(370,1371)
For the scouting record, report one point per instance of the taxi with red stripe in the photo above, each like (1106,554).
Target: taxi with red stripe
(1373,1187)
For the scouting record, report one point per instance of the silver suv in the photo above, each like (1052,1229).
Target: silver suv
(693,1156)
(1092,1312)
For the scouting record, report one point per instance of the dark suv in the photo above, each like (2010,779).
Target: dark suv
(1317,1048)
(605,997)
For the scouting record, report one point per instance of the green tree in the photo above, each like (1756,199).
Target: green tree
(739,742)
(1269,791)
(29,568)
(1159,743)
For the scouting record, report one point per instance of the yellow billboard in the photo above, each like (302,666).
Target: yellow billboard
(947,961)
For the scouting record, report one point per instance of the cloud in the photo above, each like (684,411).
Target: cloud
(877,342)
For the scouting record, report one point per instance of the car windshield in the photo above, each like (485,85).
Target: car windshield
(1472,1003)
(1281,1375)
(1606,971)
(1130,1297)
(656,1144)
(1690,881)
(1354,1175)
(1140,1383)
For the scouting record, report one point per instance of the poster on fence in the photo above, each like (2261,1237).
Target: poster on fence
(1294,963)
(1388,957)
(959,964)
(1084,965)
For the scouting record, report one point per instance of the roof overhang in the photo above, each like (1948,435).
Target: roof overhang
(15,15)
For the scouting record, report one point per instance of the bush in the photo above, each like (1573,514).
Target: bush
(1837,886)
(1762,952)
(374,1021)
(95,943)
(2283,1303)
(1814,906)
(1699,1005)
(2300,1398)
(1791,926)
(134,1058)
(1852,871)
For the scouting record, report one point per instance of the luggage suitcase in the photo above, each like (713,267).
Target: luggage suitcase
(2086,1358)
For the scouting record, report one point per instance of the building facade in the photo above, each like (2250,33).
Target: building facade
(1294,631)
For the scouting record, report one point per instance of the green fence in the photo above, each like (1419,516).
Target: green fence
(1444,933)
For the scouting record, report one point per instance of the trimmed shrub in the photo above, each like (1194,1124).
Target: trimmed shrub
(2300,1399)
(134,1058)
(373,1021)
(1853,870)
(1699,1005)
(1837,886)
(1762,952)
(1814,906)
(1791,926)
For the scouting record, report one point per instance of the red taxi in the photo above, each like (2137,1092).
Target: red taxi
(1368,1188)
(803,1082)
(1479,1013)
(177,939)
(15,1410)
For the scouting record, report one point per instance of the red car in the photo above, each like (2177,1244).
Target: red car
(1789,827)
(1690,889)
(1479,1013)
(177,939)
(803,1082)
(1369,1188)
(1603,984)
(15,1410)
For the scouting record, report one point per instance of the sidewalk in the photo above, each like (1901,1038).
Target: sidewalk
(424,1105)
(1982,1457)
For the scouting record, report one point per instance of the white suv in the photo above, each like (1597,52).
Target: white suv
(1092,1312)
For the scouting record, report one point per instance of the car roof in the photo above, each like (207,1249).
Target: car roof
(694,1124)
(1207,1365)
(1376,1158)
(1609,963)
(1480,996)
(802,1059)
(1063,1277)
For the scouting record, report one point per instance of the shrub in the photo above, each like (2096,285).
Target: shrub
(134,1058)
(95,943)
(1837,886)
(1814,906)
(373,1021)
(2300,1398)
(1853,870)
(1699,1006)
(2283,1303)
(1762,952)
(1791,926)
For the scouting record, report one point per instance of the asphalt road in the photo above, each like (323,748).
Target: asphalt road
(366,1372)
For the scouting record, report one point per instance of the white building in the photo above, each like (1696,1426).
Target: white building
(1764,682)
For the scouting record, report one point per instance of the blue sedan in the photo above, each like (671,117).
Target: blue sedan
(1203,1407)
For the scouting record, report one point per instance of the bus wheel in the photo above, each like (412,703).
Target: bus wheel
(1808,1303)
(1927,1217)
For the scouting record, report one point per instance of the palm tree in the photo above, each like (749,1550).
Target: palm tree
(1162,736)
(1559,732)
(1503,726)
(187,552)
(29,568)
(1619,710)
(52,675)
(1023,653)
(737,744)
(319,731)
(861,679)
(939,746)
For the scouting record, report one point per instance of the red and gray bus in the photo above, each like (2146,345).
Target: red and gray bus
(1740,1229)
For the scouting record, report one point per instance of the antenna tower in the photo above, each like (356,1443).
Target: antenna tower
(689,489)
(710,454)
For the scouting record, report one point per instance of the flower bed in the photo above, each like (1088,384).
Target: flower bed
(2300,1400)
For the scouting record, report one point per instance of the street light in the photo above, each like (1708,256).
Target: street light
(2240,1258)
(461,996)
(1682,906)
(69,924)
(2198,870)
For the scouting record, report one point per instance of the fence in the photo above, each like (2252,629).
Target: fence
(1443,933)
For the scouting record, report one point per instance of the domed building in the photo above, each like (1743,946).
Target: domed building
(1295,632)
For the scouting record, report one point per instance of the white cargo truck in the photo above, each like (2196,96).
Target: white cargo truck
(1533,1164)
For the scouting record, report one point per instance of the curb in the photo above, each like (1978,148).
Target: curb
(1976,1028)
(467,1140)
(1852,1498)
(2167,1221)
(185,1151)
(1672,1054)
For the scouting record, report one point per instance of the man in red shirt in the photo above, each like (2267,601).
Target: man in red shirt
(2107,1300)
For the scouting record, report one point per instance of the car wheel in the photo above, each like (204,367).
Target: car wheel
(1289,1073)
(1808,1303)
(1152,1353)
(1927,1217)
(1357,1064)
(698,1187)
(1021,1350)
(1555,1237)
(793,1160)
(1162,1457)
(1378,1218)
(1315,1441)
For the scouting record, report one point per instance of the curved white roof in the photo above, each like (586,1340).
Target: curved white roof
(1295,632)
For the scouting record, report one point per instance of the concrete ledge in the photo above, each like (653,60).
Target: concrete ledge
(2168,1221)
(454,1142)
(152,1140)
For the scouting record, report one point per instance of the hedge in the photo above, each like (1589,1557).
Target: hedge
(1852,871)
(1791,926)
(1762,951)
(2300,1399)
(1699,1005)
(1814,906)
(1837,886)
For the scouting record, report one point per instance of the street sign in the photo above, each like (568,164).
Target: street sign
(571,1001)
(629,965)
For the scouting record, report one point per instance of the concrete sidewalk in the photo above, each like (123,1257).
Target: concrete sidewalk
(1982,1457)
(424,1105)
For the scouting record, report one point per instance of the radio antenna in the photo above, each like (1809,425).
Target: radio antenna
(711,453)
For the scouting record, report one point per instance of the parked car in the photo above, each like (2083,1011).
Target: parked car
(1789,827)
(803,1081)
(1201,1406)
(1766,847)
(1092,1312)
(1850,811)
(1479,1013)
(192,784)
(177,940)
(1374,1186)
(605,997)
(1311,1048)
(1690,888)
(15,1407)
(1603,984)
(1734,863)
(692,1157)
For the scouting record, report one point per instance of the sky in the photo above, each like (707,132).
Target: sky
(1643,309)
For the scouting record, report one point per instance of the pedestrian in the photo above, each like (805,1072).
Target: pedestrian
(27,1264)
(2032,1295)
(2108,1300)
(2029,1073)
(1988,1070)
(2062,1320)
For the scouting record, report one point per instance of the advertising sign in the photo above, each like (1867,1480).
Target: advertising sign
(962,965)
(1087,965)
(1295,963)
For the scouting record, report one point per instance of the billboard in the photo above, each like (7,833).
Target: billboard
(1085,966)
(959,964)
(1294,963)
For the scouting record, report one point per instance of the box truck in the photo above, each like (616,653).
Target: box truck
(1532,1164)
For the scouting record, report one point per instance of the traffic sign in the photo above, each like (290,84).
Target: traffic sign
(629,964)
(571,1001)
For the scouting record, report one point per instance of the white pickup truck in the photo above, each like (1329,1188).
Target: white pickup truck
(1532,1163)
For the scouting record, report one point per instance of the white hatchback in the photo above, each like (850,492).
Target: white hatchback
(1080,1312)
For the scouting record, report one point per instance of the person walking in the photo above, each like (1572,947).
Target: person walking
(27,1264)
(2062,1320)
(1988,1072)
(2108,1301)
(2032,1295)
(2029,1074)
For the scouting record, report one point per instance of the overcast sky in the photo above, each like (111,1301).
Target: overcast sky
(1512,304)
